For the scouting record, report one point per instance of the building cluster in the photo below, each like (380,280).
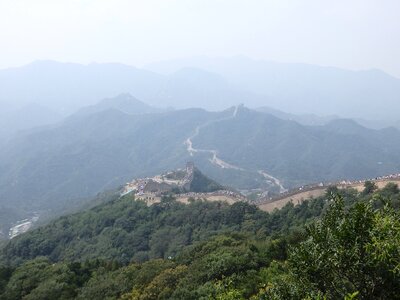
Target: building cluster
(158,184)
(137,186)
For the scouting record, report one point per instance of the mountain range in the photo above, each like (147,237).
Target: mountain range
(209,83)
(67,87)
(99,148)
(302,88)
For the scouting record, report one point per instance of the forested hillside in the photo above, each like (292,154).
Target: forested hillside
(86,154)
(125,230)
(52,169)
(296,154)
(124,249)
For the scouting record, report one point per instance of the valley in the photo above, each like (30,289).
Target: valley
(53,168)
(214,153)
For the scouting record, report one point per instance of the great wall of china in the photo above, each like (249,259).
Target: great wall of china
(312,191)
(152,189)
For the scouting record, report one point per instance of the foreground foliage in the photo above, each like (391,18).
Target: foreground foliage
(354,252)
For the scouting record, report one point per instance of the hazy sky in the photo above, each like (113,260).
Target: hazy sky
(354,34)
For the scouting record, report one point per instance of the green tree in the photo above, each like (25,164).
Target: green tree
(348,252)
(369,188)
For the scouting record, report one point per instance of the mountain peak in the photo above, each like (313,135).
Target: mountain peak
(124,102)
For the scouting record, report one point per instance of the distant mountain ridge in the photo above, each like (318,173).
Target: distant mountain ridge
(209,83)
(67,86)
(304,119)
(74,86)
(125,103)
(303,89)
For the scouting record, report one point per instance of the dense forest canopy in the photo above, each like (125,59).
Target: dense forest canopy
(342,245)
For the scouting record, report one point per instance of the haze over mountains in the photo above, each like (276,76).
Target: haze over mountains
(24,118)
(303,88)
(66,136)
(68,87)
(209,83)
